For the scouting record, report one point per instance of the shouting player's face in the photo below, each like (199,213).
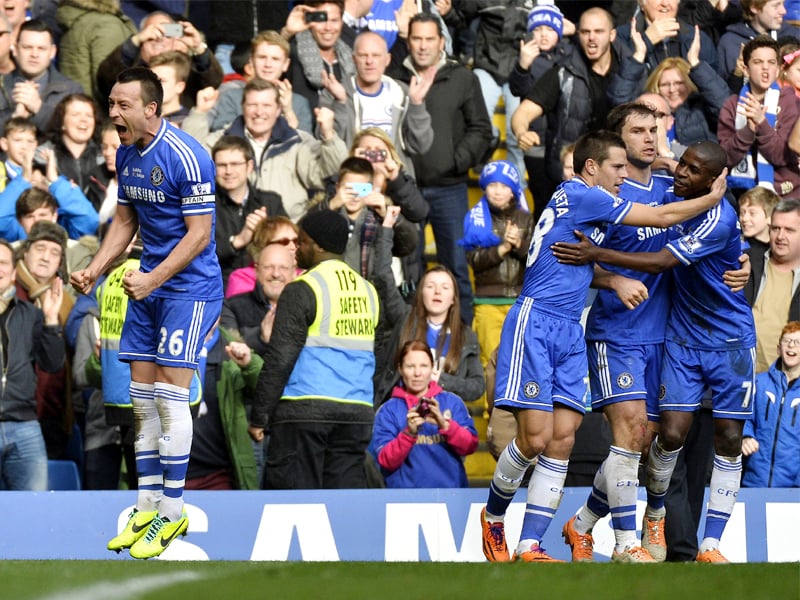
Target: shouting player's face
(128,113)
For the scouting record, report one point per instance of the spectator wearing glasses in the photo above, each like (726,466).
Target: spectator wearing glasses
(240,207)
(272,230)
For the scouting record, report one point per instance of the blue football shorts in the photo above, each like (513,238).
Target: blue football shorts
(541,360)
(167,331)
(730,374)
(620,372)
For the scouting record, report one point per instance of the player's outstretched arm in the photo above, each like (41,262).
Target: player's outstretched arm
(585,252)
(677,212)
(120,233)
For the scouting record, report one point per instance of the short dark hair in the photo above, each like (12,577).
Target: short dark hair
(233,142)
(595,145)
(713,154)
(760,41)
(33,199)
(151,90)
(37,25)
(240,56)
(618,116)
(426,18)
(316,3)
(56,124)
(357,166)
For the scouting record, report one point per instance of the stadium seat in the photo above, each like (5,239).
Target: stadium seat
(62,475)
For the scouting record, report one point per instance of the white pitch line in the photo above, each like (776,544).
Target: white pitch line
(124,589)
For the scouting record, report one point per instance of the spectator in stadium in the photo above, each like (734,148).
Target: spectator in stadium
(546,48)
(290,162)
(665,34)
(365,208)
(760,17)
(160,33)
(250,315)
(372,99)
(317,394)
(103,188)
(71,135)
(772,289)
(422,432)
(38,345)
(39,268)
(91,30)
(462,133)
(6,60)
(771,437)
(172,69)
(756,123)
(76,214)
(317,49)
(432,318)
(790,67)
(497,235)
(577,105)
(755,211)
(693,89)
(272,230)
(240,207)
(35,87)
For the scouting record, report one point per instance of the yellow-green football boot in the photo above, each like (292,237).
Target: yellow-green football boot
(138,523)
(160,535)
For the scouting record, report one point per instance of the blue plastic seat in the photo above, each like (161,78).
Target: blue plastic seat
(62,475)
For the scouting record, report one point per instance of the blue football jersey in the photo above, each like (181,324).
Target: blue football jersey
(170,179)
(609,320)
(574,206)
(706,314)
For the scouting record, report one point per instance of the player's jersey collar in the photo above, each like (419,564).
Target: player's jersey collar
(161,131)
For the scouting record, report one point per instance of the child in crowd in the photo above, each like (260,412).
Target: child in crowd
(771,436)
(544,47)
(567,156)
(790,67)
(755,213)
(497,233)
(72,210)
(172,69)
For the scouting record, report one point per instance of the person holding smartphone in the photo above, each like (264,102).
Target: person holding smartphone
(365,207)
(422,433)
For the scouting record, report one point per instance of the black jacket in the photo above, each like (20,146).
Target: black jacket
(230,220)
(26,343)
(461,126)
(244,313)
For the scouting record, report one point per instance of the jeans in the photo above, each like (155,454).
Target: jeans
(448,207)
(23,458)
(491,94)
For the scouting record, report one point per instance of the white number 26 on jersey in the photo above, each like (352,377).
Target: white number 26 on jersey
(175,344)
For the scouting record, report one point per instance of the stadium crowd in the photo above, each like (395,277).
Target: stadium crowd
(339,130)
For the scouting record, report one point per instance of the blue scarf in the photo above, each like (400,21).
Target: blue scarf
(754,169)
(478,221)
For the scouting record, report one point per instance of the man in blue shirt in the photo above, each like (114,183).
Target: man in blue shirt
(166,191)
(710,341)
(542,356)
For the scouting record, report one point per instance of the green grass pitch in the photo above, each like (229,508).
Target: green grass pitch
(157,580)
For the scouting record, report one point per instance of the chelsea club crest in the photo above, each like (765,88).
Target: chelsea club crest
(531,389)
(156,175)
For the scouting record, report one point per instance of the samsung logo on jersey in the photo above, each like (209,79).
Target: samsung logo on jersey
(643,233)
(138,193)
(197,200)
